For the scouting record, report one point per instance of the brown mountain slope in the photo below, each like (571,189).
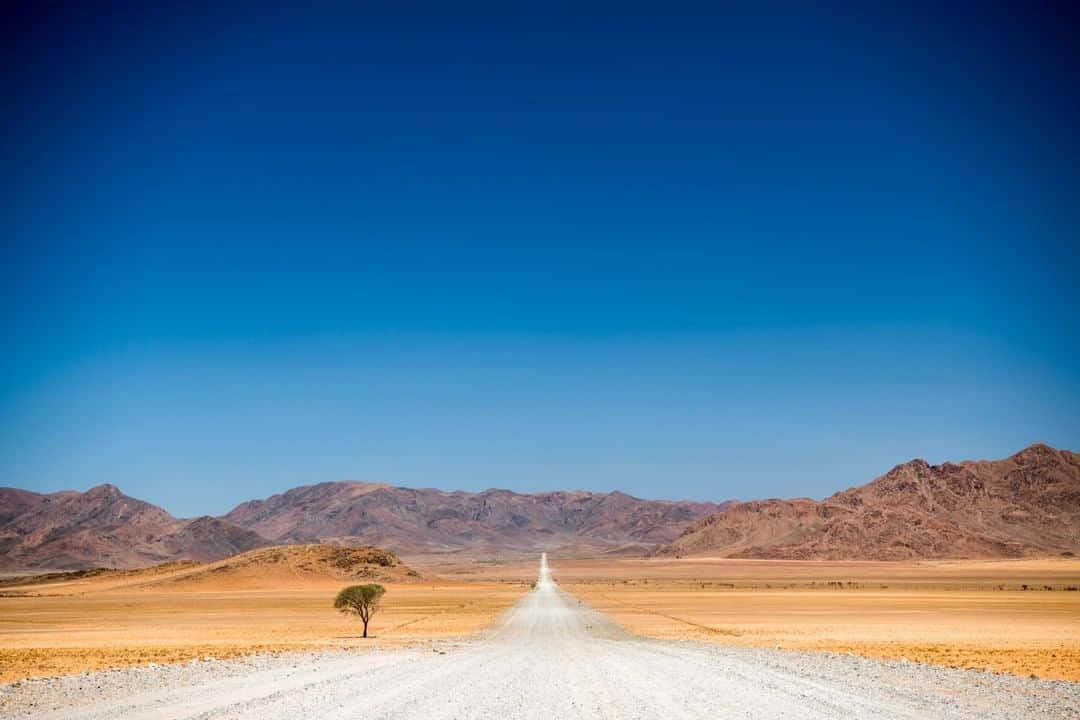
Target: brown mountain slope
(15,502)
(102,527)
(410,520)
(206,539)
(105,528)
(1027,504)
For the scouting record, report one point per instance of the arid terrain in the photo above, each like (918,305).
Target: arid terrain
(255,602)
(1027,504)
(1015,616)
(551,655)
(974,614)
(103,527)
(859,575)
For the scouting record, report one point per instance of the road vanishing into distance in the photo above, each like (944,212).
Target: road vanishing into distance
(550,656)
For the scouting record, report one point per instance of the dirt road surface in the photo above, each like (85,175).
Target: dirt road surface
(549,657)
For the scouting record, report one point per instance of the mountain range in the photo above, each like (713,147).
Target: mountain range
(102,527)
(1027,504)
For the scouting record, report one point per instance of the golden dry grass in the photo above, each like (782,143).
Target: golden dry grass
(965,614)
(954,613)
(61,634)
(777,574)
(1029,633)
(972,614)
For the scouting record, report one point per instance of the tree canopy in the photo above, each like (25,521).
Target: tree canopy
(360,600)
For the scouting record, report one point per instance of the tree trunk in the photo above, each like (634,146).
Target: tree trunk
(365,628)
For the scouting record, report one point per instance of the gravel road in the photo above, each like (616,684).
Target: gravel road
(550,657)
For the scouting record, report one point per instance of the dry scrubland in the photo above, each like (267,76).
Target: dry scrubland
(98,623)
(965,614)
(972,614)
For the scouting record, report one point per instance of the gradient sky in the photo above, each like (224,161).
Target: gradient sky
(752,250)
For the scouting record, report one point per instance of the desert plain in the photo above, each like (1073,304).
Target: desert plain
(164,614)
(1013,616)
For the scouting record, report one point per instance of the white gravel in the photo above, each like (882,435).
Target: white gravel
(550,657)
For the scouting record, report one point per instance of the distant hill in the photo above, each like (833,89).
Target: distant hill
(1027,504)
(276,567)
(102,527)
(409,520)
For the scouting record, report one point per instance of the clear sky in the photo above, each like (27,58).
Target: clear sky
(751,250)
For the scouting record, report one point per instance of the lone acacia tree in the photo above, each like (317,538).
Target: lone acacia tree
(360,600)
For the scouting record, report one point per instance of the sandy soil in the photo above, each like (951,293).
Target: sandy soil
(949,613)
(551,656)
(970,614)
(1030,633)
(776,574)
(51,635)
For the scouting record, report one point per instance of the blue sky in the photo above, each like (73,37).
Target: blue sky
(750,250)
